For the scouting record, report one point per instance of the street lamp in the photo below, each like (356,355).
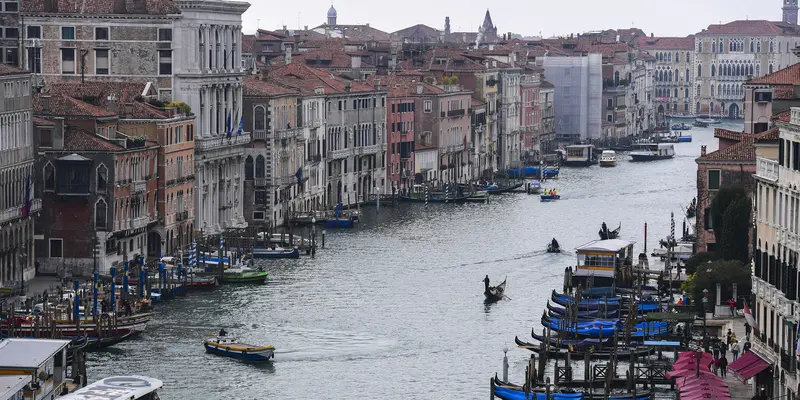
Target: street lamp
(313,235)
(705,305)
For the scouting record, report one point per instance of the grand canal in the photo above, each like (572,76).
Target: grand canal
(394,309)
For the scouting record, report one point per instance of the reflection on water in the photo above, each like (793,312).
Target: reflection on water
(394,308)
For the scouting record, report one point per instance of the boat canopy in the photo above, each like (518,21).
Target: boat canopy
(117,388)
(605,246)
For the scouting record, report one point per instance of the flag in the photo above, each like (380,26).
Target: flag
(26,210)
(241,126)
(299,175)
(749,317)
(228,128)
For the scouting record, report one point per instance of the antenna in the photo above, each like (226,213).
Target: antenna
(258,23)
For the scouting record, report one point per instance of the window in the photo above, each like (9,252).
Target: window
(165,35)
(68,32)
(101,33)
(12,33)
(100,214)
(102,178)
(11,6)
(259,120)
(165,62)
(713,179)
(49,177)
(260,197)
(708,222)
(609,118)
(67,61)
(45,138)
(258,215)
(248,168)
(11,56)
(260,166)
(101,61)
(56,248)
(34,32)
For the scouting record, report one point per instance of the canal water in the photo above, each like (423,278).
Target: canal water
(394,308)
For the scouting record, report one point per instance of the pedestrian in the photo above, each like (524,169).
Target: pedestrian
(716,365)
(736,349)
(747,329)
(723,365)
(746,347)
(732,305)
(728,337)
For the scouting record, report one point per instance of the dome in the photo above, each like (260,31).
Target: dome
(332,12)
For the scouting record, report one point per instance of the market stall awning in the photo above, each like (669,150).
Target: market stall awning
(748,366)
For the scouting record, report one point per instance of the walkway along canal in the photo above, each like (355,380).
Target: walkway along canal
(394,308)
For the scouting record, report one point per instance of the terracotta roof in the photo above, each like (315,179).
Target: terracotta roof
(77,139)
(546,84)
(607,50)
(263,34)
(358,32)
(785,116)
(254,87)
(769,135)
(726,134)
(743,152)
(324,58)
(404,86)
(247,43)
(9,70)
(667,43)
(453,60)
(102,7)
(750,27)
(476,103)
(306,79)
(61,105)
(786,76)
(416,33)
(42,121)
(125,93)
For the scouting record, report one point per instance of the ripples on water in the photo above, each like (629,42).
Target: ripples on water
(394,309)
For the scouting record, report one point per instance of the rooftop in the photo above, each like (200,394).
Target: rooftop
(743,152)
(786,76)
(101,7)
(750,27)
(254,87)
(62,105)
(667,43)
(404,85)
(11,384)
(77,139)
(28,353)
(610,245)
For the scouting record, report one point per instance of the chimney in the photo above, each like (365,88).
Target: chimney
(348,86)
(376,83)
(420,88)
(287,56)
(45,99)
(494,63)
(702,151)
(355,62)
(127,109)
(305,28)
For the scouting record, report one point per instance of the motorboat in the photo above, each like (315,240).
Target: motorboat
(228,346)
(480,196)
(709,121)
(276,252)
(534,187)
(652,151)
(700,124)
(580,155)
(608,158)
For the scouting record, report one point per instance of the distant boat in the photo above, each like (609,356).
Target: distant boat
(244,275)
(608,158)
(495,293)
(481,196)
(549,197)
(709,121)
(276,252)
(700,124)
(534,187)
(653,151)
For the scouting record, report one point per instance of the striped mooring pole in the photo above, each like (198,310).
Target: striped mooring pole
(426,196)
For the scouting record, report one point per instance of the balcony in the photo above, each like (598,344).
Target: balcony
(341,153)
(138,186)
(261,182)
(727,78)
(315,158)
(787,362)
(370,149)
(289,133)
(131,223)
(13,213)
(260,135)
(220,142)
(767,169)
(288,180)
(456,113)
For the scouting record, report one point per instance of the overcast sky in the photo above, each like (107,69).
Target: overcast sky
(526,17)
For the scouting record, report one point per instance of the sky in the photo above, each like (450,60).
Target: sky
(529,17)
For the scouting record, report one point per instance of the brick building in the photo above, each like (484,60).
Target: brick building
(733,164)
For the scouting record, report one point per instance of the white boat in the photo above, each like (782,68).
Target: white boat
(652,151)
(710,121)
(130,387)
(608,158)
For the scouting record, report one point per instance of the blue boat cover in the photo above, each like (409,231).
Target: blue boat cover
(511,394)
(607,291)
(647,307)
(658,343)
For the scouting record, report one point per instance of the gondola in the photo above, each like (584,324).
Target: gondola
(509,391)
(105,342)
(501,189)
(605,234)
(560,311)
(566,343)
(608,303)
(437,197)
(495,293)
(553,248)
(594,351)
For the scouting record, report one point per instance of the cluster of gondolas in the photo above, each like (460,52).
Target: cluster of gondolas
(605,324)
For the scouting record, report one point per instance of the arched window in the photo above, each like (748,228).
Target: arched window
(713,70)
(699,46)
(697,107)
(752,48)
(677,57)
(686,95)
(771,47)
(711,107)
(697,92)
(676,92)
(260,167)
(758,46)
(687,75)
(248,168)
(259,119)
(660,76)
(676,74)
(713,46)
(100,214)
(758,70)
(669,75)
(699,70)
(102,178)
(49,177)
(711,92)
(770,68)
(616,78)
(751,70)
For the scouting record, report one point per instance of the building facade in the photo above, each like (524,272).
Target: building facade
(673,75)
(578,90)
(547,138)
(17,202)
(727,54)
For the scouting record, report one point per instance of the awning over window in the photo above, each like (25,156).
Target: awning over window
(747,366)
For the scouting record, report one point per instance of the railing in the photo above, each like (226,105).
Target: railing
(767,169)
(315,158)
(221,141)
(16,212)
(371,149)
(456,113)
(341,153)
(138,186)
(288,180)
(131,223)
(260,135)
(731,78)
(261,182)
(289,133)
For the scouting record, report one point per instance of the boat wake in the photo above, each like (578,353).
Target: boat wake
(519,257)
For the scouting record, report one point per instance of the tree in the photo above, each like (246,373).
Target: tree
(699,259)
(724,198)
(725,272)
(733,241)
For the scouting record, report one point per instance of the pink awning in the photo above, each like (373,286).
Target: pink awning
(747,366)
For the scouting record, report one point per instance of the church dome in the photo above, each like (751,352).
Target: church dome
(332,12)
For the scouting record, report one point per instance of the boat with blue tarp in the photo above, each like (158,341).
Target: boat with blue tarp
(579,348)
(547,172)
(228,346)
(509,391)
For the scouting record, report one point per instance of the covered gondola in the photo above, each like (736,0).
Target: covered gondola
(566,343)
(509,391)
(609,303)
(561,311)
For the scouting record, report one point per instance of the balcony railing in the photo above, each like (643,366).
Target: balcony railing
(371,149)
(138,186)
(766,169)
(787,362)
(288,180)
(221,141)
(341,153)
(260,135)
(456,113)
(16,212)
(131,223)
(261,182)
(727,78)
(289,133)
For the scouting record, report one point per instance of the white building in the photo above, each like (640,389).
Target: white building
(578,85)
(16,178)
(208,76)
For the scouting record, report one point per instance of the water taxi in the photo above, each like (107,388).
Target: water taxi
(653,151)
(709,121)
(225,345)
(244,275)
(608,158)
(131,387)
